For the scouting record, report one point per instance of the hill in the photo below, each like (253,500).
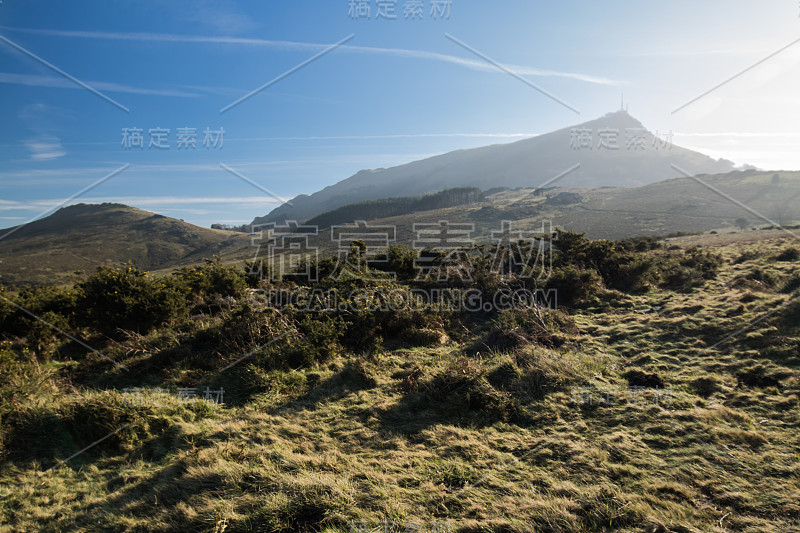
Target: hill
(527,163)
(81,237)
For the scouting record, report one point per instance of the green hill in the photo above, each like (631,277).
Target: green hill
(81,237)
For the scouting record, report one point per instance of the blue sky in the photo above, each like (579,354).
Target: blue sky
(397,91)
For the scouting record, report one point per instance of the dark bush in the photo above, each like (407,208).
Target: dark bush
(789,254)
(55,302)
(319,341)
(692,270)
(792,284)
(213,280)
(128,298)
(573,286)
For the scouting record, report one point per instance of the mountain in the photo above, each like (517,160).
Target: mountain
(527,163)
(82,236)
(679,205)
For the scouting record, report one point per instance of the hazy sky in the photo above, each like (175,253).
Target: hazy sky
(396,91)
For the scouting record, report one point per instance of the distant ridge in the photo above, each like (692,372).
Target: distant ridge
(527,163)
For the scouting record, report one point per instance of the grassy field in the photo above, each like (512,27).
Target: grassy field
(652,411)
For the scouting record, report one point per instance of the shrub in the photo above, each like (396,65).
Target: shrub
(463,389)
(749,255)
(213,280)
(521,327)
(620,265)
(574,286)
(640,244)
(55,302)
(128,298)
(63,427)
(319,342)
(789,254)
(693,270)
(705,263)
(683,279)
(42,335)
(792,284)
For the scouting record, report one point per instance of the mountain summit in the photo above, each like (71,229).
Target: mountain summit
(615,150)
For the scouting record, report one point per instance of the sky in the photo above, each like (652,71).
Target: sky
(241,105)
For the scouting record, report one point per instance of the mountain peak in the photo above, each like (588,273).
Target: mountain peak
(620,119)
(601,153)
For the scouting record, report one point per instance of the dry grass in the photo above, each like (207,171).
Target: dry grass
(443,436)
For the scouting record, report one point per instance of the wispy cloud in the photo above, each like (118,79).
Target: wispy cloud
(220,15)
(147,201)
(744,135)
(45,148)
(33,80)
(394,136)
(305,46)
(45,144)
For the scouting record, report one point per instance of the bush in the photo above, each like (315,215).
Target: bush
(319,342)
(462,390)
(42,335)
(792,284)
(749,255)
(522,327)
(620,265)
(54,302)
(213,281)
(63,427)
(693,270)
(705,263)
(789,254)
(574,286)
(128,298)
(682,279)
(640,244)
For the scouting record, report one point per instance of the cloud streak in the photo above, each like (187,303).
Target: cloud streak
(33,80)
(45,148)
(316,47)
(255,201)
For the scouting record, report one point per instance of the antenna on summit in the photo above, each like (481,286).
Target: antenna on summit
(622,106)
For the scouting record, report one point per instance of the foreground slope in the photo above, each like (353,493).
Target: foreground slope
(652,413)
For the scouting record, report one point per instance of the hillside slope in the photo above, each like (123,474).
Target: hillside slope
(81,237)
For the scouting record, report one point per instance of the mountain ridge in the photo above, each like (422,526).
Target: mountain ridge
(527,163)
